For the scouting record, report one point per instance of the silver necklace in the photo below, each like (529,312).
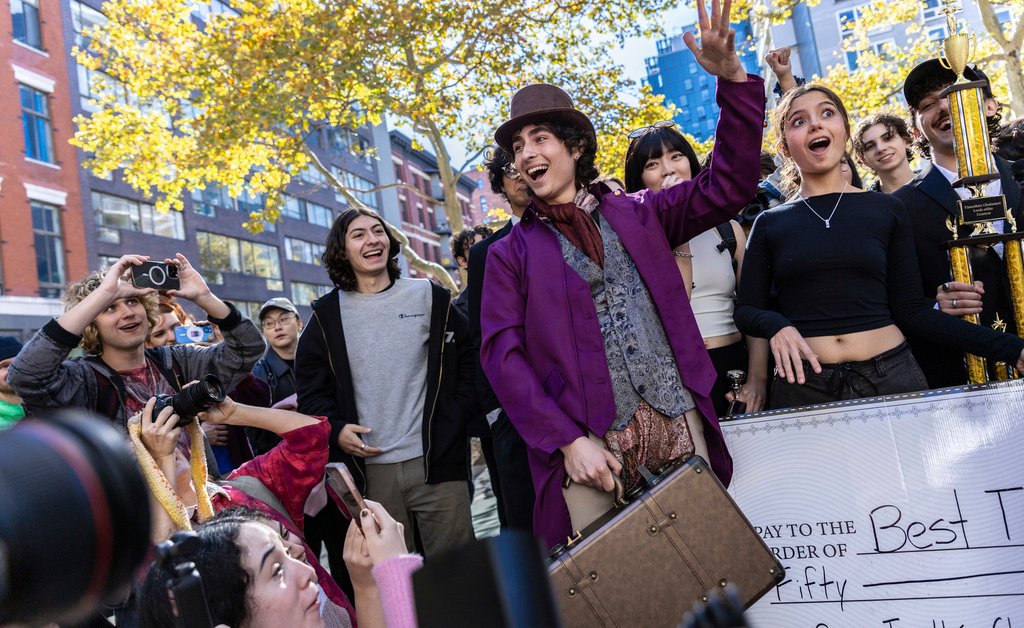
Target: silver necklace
(827,221)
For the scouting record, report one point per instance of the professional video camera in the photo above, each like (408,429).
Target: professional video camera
(74,518)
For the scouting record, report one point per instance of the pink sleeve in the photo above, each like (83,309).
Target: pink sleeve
(394,583)
(292,468)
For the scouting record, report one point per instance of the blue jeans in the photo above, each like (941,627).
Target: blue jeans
(891,372)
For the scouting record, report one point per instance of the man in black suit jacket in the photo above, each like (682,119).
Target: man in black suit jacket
(931,203)
(516,484)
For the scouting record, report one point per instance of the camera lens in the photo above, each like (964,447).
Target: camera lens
(157,275)
(172,271)
(189,402)
(74,518)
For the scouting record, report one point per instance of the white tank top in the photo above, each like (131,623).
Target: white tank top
(714,286)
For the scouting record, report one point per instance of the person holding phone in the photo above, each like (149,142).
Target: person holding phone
(109,317)
(277,483)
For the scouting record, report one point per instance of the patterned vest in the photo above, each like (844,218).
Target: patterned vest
(640,359)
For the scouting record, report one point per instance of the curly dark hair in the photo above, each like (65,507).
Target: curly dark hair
(892,124)
(339,268)
(495,165)
(225,580)
(575,138)
(933,83)
(1009,143)
(462,240)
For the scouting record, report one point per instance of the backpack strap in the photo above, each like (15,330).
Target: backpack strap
(728,241)
(164,361)
(110,390)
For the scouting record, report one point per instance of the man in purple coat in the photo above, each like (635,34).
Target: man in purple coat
(587,334)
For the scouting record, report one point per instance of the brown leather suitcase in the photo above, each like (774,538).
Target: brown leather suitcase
(647,563)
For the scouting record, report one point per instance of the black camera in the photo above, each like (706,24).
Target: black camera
(157,275)
(185,590)
(190,401)
(74,518)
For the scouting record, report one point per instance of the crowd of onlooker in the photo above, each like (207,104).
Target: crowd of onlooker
(595,338)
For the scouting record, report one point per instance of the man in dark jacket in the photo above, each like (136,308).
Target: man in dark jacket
(281,325)
(388,362)
(931,201)
(516,484)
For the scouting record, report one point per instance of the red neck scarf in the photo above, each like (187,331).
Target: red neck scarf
(577,225)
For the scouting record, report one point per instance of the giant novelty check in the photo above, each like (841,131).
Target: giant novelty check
(898,512)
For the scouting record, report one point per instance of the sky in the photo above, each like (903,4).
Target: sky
(631,56)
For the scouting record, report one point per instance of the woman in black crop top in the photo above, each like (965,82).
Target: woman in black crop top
(843,269)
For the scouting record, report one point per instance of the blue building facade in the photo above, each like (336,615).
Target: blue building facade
(675,74)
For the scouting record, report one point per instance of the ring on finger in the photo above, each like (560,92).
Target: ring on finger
(954,304)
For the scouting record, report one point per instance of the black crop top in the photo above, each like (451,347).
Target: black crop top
(858,275)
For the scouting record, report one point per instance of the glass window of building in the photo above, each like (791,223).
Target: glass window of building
(303,251)
(25,23)
(84,17)
(35,120)
(49,249)
(360,188)
(318,214)
(114,213)
(220,254)
(305,293)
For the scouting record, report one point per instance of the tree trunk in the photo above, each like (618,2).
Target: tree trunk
(415,261)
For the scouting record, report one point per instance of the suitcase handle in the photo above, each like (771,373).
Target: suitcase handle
(620,490)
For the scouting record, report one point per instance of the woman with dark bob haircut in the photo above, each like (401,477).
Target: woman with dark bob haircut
(339,268)
(587,336)
(659,157)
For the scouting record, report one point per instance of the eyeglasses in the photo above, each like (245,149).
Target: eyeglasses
(644,130)
(284,319)
(510,171)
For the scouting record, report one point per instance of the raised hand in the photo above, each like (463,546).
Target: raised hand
(717,50)
(193,286)
(782,68)
(117,282)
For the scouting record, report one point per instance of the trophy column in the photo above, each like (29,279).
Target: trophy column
(976,167)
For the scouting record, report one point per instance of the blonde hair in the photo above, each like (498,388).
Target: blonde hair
(82,288)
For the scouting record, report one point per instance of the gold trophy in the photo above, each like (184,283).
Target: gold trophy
(976,167)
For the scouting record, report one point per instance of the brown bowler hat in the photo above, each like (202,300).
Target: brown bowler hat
(537,103)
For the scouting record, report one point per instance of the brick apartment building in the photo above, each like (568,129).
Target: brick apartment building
(423,217)
(42,238)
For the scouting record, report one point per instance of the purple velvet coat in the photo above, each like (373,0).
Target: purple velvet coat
(542,348)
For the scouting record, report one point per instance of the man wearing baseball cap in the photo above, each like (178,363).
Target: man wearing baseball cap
(931,201)
(281,325)
(11,409)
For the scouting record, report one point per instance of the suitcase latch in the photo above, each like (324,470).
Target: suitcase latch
(572,540)
(660,525)
(575,589)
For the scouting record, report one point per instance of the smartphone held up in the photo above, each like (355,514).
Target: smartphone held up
(157,275)
(339,478)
